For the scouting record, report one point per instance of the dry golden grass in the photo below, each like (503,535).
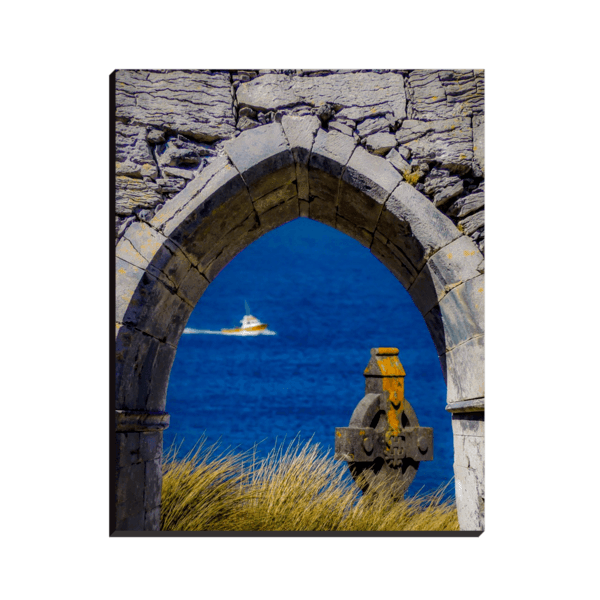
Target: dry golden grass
(296,488)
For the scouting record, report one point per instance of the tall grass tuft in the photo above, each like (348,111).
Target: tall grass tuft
(298,487)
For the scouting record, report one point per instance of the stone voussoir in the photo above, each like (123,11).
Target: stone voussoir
(449,267)
(145,303)
(462,310)
(300,133)
(465,371)
(411,222)
(162,257)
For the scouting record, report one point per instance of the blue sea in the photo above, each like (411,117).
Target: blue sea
(327,301)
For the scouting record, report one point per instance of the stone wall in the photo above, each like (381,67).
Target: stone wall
(429,125)
(207,162)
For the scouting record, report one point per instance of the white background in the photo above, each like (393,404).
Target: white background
(541,320)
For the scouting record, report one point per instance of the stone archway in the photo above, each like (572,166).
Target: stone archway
(269,176)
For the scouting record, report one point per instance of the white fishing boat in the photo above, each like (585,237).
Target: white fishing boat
(249,324)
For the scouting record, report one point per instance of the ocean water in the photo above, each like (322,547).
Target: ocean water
(327,301)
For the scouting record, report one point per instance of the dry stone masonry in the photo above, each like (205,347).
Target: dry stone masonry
(209,161)
(429,125)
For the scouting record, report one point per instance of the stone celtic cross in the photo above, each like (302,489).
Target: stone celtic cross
(384,443)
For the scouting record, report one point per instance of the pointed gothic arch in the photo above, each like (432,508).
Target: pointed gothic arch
(269,176)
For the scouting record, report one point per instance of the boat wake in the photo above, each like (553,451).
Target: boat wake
(236,333)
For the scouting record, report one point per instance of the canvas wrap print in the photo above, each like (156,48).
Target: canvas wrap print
(299,302)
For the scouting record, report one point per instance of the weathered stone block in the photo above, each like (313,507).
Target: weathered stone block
(198,104)
(147,304)
(134,522)
(372,126)
(331,152)
(152,520)
(472,223)
(466,205)
(355,231)
(468,424)
(154,387)
(341,127)
(300,133)
(448,142)
(132,152)
(258,154)
(179,174)
(393,258)
(469,452)
(371,175)
(358,208)
(465,370)
(281,194)
(380,143)
(128,448)
(179,203)
(278,215)
(323,186)
(133,193)
(237,239)
(153,482)
(462,310)
(355,96)
(414,225)
(221,205)
(398,161)
(453,264)
(143,364)
(444,196)
(444,94)
(273,181)
(470,497)
(162,258)
(437,330)
(323,211)
(479,141)
(304,208)
(192,286)
(151,445)
(130,489)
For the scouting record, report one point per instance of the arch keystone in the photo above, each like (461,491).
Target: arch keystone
(300,133)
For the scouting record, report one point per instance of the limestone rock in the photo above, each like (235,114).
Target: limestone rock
(331,151)
(438,180)
(155,136)
(339,126)
(180,152)
(397,161)
(132,152)
(355,95)
(448,142)
(171,185)
(479,141)
(134,193)
(380,143)
(466,205)
(183,173)
(194,103)
(246,123)
(371,126)
(444,94)
(472,223)
(447,194)
(300,133)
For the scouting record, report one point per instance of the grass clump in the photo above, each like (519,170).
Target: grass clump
(295,488)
